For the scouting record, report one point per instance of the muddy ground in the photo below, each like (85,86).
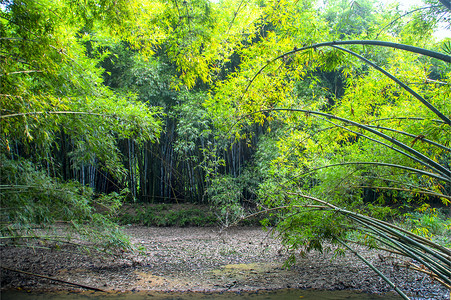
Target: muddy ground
(207,259)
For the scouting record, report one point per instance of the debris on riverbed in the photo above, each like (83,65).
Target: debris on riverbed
(209,260)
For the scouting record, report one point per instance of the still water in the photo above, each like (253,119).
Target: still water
(288,294)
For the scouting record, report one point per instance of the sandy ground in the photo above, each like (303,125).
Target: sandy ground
(206,259)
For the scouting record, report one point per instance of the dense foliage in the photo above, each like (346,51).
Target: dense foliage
(328,116)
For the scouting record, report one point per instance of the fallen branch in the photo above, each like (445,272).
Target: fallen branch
(54,279)
(432,275)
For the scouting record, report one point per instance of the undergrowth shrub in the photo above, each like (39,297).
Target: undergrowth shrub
(33,203)
(163,215)
(431,223)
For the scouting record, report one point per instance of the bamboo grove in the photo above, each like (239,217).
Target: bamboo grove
(331,117)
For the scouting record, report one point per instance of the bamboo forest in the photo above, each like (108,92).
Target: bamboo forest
(323,123)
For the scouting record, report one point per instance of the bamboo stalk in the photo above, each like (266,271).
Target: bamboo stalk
(400,83)
(405,190)
(377,164)
(368,220)
(434,54)
(443,171)
(401,293)
(403,244)
(417,255)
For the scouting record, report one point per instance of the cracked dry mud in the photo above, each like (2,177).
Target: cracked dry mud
(209,260)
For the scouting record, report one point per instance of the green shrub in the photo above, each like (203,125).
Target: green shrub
(431,223)
(32,201)
(162,215)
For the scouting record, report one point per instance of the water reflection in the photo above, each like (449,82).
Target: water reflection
(261,295)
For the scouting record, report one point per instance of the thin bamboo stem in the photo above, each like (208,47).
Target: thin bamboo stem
(434,54)
(443,171)
(406,240)
(400,83)
(401,293)
(54,279)
(405,190)
(53,113)
(380,142)
(409,249)
(411,252)
(423,139)
(378,164)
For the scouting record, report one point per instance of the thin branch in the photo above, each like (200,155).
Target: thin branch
(446,173)
(405,190)
(282,207)
(427,81)
(434,54)
(400,83)
(411,266)
(375,270)
(267,210)
(407,13)
(420,138)
(54,279)
(54,113)
(21,72)
(377,247)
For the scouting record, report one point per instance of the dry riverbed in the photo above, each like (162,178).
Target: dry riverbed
(209,260)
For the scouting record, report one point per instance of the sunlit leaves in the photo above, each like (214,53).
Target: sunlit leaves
(52,82)
(364,154)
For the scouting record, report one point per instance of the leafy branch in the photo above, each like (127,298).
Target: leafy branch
(407,13)
(407,190)
(430,254)
(54,113)
(445,174)
(422,172)
(434,54)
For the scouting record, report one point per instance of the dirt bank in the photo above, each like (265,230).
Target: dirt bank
(205,259)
